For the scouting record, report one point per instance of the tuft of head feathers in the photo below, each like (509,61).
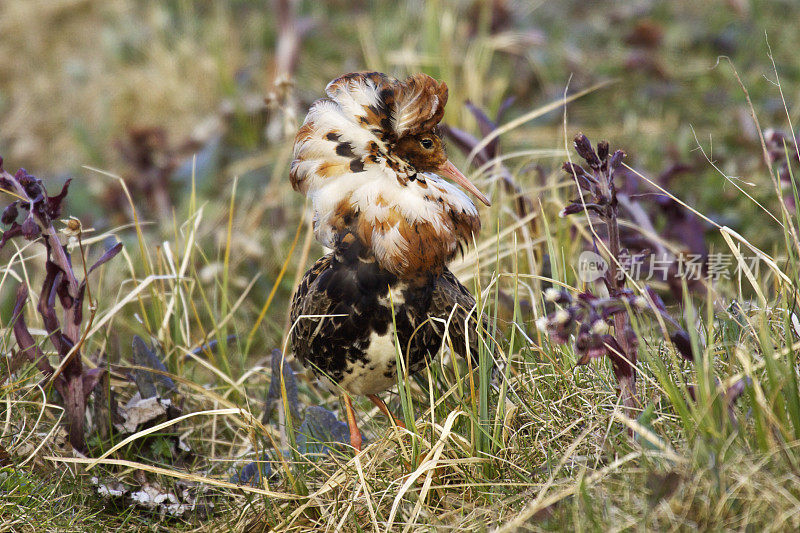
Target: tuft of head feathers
(351,160)
(418,105)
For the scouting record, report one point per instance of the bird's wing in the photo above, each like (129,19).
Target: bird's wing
(309,300)
(449,294)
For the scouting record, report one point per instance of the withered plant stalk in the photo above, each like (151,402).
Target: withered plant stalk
(71,379)
(601,201)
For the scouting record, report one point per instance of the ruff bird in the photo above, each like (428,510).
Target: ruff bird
(371,161)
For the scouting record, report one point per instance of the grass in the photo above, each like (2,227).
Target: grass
(551,448)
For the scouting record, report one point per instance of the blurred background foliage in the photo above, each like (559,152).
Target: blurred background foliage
(194,105)
(159,93)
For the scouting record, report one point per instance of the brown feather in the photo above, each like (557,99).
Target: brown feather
(429,97)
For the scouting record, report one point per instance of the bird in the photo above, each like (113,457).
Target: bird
(370,158)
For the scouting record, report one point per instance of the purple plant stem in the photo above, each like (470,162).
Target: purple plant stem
(72,387)
(625,370)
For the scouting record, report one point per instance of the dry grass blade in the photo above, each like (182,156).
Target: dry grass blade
(540,504)
(212,235)
(178,475)
(536,113)
(427,466)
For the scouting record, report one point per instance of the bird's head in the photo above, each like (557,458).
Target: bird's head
(424,151)
(372,162)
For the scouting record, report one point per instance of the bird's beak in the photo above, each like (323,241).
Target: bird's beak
(449,170)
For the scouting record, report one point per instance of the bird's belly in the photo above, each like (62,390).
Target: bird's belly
(376,371)
(346,324)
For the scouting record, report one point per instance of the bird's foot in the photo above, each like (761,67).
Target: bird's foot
(385,410)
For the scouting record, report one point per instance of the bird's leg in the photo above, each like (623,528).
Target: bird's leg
(399,423)
(385,410)
(355,434)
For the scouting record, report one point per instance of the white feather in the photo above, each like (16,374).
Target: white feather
(403,112)
(353,96)
(389,245)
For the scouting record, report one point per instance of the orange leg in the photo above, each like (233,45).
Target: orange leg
(385,410)
(355,434)
(399,423)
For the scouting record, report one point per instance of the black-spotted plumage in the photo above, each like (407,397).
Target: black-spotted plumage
(344,330)
(370,159)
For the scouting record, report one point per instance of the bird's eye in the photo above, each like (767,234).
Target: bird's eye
(426,143)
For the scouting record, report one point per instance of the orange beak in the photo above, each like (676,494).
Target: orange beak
(449,170)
